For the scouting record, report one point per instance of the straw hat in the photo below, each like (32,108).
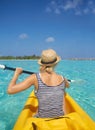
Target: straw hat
(49,57)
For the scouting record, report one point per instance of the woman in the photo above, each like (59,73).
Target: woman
(49,86)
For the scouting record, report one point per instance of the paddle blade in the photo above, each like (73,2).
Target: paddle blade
(2,66)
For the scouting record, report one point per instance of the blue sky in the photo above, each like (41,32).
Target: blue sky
(29,26)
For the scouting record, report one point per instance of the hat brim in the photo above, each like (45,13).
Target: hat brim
(58,59)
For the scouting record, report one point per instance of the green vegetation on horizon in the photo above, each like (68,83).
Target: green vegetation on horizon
(19,57)
(33,57)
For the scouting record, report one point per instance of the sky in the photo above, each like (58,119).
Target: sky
(29,26)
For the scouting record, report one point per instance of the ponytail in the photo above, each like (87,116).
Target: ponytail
(48,69)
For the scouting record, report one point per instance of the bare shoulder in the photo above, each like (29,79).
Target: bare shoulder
(33,80)
(32,77)
(65,80)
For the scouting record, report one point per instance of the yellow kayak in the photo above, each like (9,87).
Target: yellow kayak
(74,119)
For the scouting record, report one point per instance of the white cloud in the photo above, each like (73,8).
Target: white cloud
(23,36)
(50,39)
(53,7)
(78,7)
(72,5)
(68,5)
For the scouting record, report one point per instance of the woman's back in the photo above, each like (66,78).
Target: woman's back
(50,97)
(52,79)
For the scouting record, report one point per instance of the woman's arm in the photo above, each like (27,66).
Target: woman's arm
(18,87)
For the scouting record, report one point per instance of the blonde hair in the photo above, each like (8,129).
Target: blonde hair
(48,69)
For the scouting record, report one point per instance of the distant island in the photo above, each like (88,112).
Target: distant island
(19,57)
(34,57)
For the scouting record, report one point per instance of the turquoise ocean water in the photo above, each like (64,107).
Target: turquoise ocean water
(82,89)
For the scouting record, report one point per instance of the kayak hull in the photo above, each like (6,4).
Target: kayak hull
(72,110)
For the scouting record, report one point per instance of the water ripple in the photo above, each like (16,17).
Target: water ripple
(82,90)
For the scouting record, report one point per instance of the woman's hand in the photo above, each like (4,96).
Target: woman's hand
(18,71)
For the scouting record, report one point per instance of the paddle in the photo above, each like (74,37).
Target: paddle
(13,69)
(24,71)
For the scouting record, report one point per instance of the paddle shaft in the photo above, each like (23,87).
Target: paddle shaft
(13,69)
(24,71)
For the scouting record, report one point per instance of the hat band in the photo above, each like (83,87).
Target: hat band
(51,62)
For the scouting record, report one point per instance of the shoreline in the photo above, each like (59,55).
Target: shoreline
(72,59)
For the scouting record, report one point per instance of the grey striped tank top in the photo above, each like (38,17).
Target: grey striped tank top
(50,99)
